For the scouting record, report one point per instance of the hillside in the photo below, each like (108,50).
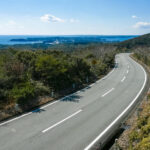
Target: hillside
(143,40)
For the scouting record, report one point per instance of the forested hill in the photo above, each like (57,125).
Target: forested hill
(143,40)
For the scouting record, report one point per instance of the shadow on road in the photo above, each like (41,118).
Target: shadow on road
(71,98)
(38,110)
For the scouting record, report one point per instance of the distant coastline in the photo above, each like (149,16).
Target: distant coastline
(35,39)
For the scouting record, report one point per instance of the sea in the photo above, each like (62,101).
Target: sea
(47,39)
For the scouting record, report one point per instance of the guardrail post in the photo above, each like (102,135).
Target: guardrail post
(52,94)
(73,85)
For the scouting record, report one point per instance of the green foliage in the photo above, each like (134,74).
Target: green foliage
(146,130)
(142,121)
(4,96)
(134,136)
(144,144)
(140,134)
(28,58)
(50,70)
(23,93)
(89,56)
(41,89)
(108,59)
(143,40)
(25,75)
(142,56)
(61,74)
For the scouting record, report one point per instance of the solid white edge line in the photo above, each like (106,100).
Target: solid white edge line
(126,109)
(16,118)
(58,123)
(107,75)
(49,104)
(77,92)
(92,84)
(26,114)
(123,79)
(108,92)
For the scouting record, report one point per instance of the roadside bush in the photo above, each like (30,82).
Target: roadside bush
(89,56)
(144,144)
(41,89)
(134,136)
(23,93)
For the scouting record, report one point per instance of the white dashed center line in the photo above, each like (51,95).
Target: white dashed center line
(123,79)
(58,123)
(108,92)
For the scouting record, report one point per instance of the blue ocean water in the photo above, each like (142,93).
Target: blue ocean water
(32,39)
(6,39)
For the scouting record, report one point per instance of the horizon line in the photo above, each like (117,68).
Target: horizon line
(71,35)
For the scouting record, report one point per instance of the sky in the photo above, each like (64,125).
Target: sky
(74,17)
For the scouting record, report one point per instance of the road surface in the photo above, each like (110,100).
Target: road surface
(78,121)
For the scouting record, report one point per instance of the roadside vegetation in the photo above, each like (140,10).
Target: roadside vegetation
(138,136)
(26,76)
(141,41)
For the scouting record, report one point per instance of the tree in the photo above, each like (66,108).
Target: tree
(50,70)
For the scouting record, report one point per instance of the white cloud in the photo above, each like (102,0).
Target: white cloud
(51,18)
(74,20)
(142,25)
(134,17)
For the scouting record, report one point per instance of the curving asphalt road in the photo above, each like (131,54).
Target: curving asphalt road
(79,121)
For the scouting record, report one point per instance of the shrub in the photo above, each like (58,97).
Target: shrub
(144,144)
(23,93)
